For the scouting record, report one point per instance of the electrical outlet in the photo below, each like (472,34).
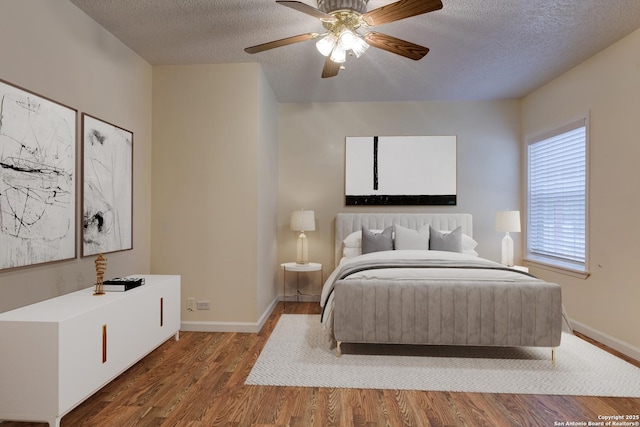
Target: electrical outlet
(191,304)
(203,305)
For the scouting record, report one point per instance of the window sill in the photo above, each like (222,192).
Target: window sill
(560,268)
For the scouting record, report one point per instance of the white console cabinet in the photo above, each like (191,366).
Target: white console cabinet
(56,353)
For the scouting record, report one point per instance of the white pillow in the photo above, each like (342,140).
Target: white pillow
(468,244)
(351,252)
(408,239)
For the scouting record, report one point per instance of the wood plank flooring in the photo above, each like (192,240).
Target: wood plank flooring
(199,381)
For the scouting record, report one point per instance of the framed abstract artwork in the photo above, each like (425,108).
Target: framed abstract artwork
(37,179)
(107,187)
(401,170)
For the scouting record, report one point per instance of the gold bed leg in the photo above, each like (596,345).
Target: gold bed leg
(553,356)
(338,350)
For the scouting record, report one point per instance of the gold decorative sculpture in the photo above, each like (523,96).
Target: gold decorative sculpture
(101,267)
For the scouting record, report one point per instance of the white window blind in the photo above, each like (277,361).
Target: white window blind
(557,197)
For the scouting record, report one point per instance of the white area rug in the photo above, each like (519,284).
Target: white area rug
(299,353)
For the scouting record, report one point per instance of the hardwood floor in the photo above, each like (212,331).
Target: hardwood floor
(199,381)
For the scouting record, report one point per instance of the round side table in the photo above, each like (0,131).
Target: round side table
(297,268)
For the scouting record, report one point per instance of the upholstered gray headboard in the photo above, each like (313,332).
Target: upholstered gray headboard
(347,223)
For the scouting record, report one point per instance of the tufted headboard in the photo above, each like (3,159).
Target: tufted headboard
(347,223)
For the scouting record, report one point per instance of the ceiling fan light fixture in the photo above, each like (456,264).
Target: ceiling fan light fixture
(326,44)
(345,21)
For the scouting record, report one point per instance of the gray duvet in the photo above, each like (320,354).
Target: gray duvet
(440,298)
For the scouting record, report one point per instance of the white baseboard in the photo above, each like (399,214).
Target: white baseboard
(241,327)
(606,339)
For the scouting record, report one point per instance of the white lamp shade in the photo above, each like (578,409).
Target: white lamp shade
(508,221)
(303,220)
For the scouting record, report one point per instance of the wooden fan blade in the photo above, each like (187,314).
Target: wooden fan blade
(309,10)
(281,42)
(400,10)
(397,46)
(330,68)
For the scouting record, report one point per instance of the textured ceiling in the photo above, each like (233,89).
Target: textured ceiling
(479,49)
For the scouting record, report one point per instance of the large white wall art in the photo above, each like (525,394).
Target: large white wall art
(107,195)
(401,170)
(37,179)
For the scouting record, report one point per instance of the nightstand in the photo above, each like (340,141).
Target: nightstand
(298,268)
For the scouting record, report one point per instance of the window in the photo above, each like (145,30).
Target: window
(557,198)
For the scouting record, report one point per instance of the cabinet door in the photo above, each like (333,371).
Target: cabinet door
(84,342)
(167,300)
(28,369)
(148,319)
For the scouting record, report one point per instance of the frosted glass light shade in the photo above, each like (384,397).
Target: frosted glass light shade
(359,46)
(347,39)
(339,55)
(326,44)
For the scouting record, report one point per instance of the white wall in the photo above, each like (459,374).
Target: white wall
(52,48)
(208,174)
(606,86)
(311,165)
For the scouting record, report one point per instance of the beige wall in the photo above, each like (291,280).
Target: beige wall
(267,215)
(607,87)
(52,48)
(208,174)
(311,165)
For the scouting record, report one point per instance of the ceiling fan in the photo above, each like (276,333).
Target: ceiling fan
(347,23)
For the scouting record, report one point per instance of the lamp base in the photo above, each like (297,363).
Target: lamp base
(302,249)
(507,250)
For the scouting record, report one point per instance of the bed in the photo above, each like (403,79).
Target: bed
(439,294)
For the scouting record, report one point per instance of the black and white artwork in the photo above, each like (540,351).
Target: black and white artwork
(37,179)
(401,170)
(107,196)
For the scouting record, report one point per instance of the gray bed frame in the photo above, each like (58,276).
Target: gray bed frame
(441,313)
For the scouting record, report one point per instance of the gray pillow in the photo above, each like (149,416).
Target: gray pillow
(450,242)
(406,238)
(375,242)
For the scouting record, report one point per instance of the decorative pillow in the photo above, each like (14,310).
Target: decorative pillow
(375,242)
(354,240)
(451,242)
(407,239)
